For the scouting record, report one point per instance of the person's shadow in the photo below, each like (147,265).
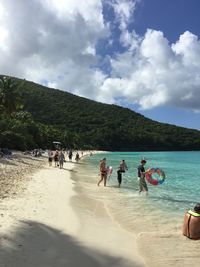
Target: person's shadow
(37,245)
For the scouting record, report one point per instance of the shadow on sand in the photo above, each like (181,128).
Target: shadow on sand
(35,244)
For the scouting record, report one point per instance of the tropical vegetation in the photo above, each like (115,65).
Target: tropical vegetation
(33,116)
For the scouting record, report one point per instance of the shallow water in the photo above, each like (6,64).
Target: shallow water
(156,219)
(165,203)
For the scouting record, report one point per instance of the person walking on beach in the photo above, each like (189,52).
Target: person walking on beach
(50,157)
(61,158)
(70,155)
(77,157)
(56,158)
(141,177)
(122,168)
(103,171)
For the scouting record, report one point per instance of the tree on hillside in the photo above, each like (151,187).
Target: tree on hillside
(9,97)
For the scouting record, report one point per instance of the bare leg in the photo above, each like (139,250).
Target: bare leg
(105,180)
(140,188)
(100,181)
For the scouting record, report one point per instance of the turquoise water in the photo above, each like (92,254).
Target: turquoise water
(165,204)
(155,220)
(181,188)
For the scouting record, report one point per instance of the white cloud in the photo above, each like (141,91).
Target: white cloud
(54,41)
(188,47)
(155,73)
(3,30)
(124,10)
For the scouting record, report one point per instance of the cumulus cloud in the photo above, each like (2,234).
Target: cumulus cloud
(54,42)
(152,72)
(124,10)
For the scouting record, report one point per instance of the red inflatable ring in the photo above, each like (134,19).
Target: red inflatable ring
(155,181)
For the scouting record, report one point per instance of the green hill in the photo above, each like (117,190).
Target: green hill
(83,123)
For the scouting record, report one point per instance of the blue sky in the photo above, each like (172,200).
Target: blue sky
(173,18)
(141,54)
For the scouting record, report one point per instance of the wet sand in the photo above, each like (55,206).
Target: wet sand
(157,234)
(47,223)
(58,218)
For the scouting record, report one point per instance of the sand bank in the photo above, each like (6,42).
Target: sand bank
(14,173)
(40,227)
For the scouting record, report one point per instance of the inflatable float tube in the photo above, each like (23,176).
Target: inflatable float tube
(152,180)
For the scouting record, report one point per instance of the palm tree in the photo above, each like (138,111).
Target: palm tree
(9,98)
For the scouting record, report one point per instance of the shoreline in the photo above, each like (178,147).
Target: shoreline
(110,237)
(159,236)
(61,218)
(41,228)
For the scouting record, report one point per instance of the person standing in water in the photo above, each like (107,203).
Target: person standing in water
(141,177)
(103,171)
(122,168)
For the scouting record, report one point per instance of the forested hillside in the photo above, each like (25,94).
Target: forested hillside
(81,123)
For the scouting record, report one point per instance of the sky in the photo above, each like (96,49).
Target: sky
(140,54)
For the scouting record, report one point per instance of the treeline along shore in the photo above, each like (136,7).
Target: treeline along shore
(33,116)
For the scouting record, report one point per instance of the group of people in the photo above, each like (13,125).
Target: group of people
(77,156)
(59,157)
(191,224)
(122,169)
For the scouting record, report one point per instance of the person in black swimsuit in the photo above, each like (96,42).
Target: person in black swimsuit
(141,177)
(103,171)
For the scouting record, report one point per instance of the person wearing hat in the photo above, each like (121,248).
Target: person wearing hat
(191,224)
(103,171)
(141,177)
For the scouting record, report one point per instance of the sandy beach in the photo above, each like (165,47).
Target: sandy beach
(54,217)
(44,221)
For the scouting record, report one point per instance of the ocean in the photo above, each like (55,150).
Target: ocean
(165,205)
